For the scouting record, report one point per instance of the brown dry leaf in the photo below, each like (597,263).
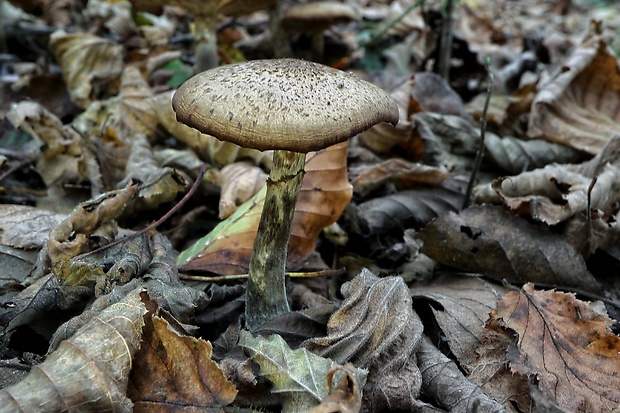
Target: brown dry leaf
(565,345)
(89,371)
(403,173)
(239,181)
(173,372)
(325,192)
(488,240)
(91,225)
(345,396)
(67,157)
(134,111)
(377,329)
(580,107)
(87,62)
(218,153)
(465,306)
(554,193)
(382,137)
(432,93)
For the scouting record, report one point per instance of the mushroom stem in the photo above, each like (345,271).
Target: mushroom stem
(266,289)
(205,40)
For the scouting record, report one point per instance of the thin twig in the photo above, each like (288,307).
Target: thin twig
(377,35)
(234,277)
(445,52)
(483,128)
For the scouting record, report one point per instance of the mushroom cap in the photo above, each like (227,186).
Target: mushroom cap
(285,104)
(318,15)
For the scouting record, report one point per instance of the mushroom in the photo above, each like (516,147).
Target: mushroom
(314,18)
(292,107)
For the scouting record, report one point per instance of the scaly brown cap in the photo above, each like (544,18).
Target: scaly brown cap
(285,104)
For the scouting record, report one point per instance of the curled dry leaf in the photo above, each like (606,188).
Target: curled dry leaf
(516,155)
(565,345)
(89,371)
(298,376)
(239,182)
(218,153)
(554,193)
(488,240)
(174,372)
(91,225)
(86,60)
(377,329)
(325,192)
(580,107)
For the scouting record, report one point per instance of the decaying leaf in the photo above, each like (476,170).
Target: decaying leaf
(377,329)
(88,372)
(218,153)
(325,192)
(174,372)
(298,376)
(564,345)
(463,308)
(580,107)
(488,240)
(516,155)
(239,182)
(86,61)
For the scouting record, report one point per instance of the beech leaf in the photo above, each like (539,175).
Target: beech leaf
(325,192)
(174,372)
(565,344)
(89,371)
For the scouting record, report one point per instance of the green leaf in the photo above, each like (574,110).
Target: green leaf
(298,376)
